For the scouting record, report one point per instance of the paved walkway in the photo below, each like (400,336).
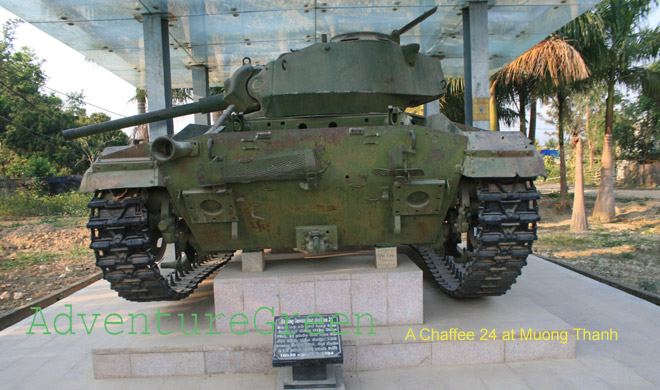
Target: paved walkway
(631,362)
(546,188)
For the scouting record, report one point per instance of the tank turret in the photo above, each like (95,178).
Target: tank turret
(353,73)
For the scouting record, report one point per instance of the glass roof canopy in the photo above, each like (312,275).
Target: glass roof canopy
(220,33)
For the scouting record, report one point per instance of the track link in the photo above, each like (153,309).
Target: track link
(504,231)
(121,244)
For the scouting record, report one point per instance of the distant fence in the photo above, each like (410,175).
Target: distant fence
(638,174)
(9,186)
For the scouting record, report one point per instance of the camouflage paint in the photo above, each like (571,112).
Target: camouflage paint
(348,194)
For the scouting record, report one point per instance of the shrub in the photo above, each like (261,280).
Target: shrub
(551,166)
(32,203)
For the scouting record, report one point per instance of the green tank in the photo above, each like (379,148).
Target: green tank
(315,151)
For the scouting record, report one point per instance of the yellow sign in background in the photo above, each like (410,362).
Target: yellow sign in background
(480,109)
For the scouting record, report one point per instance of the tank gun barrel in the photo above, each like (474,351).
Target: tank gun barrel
(207,104)
(414,22)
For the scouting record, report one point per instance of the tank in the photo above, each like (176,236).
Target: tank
(315,151)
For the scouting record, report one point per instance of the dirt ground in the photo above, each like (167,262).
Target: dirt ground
(39,256)
(625,250)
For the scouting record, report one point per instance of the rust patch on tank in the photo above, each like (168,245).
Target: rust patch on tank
(422,230)
(326,208)
(258,225)
(436,154)
(334,136)
(388,81)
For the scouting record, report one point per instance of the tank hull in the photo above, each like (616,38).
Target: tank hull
(347,183)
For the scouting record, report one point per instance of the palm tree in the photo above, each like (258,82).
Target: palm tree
(532,118)
(579,222)
(593,131)
(452,104)
(515,92)
(548,68)
(141,131)
(612,41)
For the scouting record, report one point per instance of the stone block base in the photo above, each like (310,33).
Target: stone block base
(253,261)
(335,379)
(386,349)
(348,285)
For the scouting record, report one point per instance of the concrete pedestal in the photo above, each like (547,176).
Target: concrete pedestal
(349,285)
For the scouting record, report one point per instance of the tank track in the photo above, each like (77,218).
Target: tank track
(121,244)
(505,230)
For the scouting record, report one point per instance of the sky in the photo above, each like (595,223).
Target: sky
(68,71)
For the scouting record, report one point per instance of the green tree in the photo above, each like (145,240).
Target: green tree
(636,128)
(551,144)
(31,121)
(92,146)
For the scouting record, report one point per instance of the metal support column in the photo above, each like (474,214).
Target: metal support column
(200,76)
(157,63)
(432,108)
(475,49)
